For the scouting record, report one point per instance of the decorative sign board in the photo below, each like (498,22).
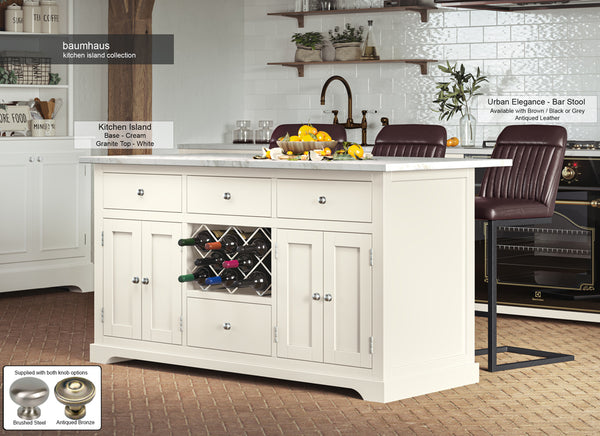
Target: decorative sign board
(14,118)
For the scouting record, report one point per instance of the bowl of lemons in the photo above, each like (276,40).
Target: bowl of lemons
(308,138)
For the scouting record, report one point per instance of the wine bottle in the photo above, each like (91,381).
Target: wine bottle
(230,242)
(243,262)
(200,239)
(258,246)
(199,276)
(227,277)
(257,280)
(217,257)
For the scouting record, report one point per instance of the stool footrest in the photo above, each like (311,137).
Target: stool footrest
(547,357)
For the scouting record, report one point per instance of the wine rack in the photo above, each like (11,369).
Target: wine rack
(261,263)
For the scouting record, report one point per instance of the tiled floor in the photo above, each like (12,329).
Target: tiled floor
(55,327)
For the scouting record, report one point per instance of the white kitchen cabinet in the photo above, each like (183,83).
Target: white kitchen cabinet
(324,315)
(141,295)
(45,227)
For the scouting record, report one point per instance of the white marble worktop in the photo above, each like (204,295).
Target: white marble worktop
(231,160)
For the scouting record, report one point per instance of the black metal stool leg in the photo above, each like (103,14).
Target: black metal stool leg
(492,350)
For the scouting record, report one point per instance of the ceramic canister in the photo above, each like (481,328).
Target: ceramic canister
(50,16)
(32,16)
(13,18)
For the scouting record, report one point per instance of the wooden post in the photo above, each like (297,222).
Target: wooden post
(130,85)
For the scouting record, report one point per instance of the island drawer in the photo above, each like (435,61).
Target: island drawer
(229,195)
(230,326)
(142,192)
(324,200)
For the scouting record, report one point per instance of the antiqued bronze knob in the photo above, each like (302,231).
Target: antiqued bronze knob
(29,392)
(75,393)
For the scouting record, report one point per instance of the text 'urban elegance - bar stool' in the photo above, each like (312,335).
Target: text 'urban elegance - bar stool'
(411,140)
(523,194)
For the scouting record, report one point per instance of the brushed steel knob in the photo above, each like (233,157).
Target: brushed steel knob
(227,326)
(227,196)
(322,199)
(39,158)
(135,280)
(328,297)
(74,393)
(31,159)
(145,281)
(316,296)
(29,392)
(140,192)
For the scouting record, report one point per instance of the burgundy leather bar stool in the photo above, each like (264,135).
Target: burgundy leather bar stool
(336,131)
(522,194)
(411,140)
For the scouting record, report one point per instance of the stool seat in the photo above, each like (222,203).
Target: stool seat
(489,208)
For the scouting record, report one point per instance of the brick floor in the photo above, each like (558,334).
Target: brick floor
(56,327)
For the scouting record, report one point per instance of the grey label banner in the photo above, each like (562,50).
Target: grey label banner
(91,49)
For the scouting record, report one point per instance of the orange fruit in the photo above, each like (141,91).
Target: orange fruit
(356,151)
(307,129)
(294,138)
(307,137)
(323,136)
(327,151)
(452,142)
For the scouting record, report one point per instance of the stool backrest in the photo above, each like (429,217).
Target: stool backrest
(411,140)
(336,131)
(537,152)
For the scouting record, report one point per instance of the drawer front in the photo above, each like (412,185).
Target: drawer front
(229,196)
(229,326)
(142,192)
(324,200)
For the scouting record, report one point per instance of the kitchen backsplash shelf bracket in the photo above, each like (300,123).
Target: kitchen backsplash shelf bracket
(300,65)
(421,10)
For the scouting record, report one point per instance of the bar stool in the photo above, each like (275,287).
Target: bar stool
(523,194)
(336,131)
(411,140)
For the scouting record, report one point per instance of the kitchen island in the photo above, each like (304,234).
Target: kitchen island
(369,268)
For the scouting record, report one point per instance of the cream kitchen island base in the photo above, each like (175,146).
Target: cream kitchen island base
(371,264)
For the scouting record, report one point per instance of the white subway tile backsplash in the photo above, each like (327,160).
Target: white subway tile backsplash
(524,67)
(511,50)
(469,34)
(504,18)
(483,18)
(457,18)
(484,51)
(496,33)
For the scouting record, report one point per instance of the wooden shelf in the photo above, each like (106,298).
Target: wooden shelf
(300,65)
(421,10)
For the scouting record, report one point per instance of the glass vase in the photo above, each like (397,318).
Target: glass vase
(468,125)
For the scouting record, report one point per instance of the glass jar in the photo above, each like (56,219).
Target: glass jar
(263,134)
(243,133)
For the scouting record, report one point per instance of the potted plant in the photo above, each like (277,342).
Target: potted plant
(455,95)
(347,42)
(308,46)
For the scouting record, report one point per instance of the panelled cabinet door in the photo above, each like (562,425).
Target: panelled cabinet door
(122,279)
(161,292)
(300,294)
(347,299)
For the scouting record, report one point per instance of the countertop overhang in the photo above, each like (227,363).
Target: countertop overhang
(377,164)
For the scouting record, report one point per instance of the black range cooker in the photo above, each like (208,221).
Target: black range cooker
(552,270)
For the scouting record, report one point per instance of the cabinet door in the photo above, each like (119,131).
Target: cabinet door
(122,279)
(299,276)
(161,292)
(64,205)
(16,174)
(347,299)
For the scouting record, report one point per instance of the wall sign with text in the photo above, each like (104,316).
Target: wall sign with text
(14,118)
(521,109)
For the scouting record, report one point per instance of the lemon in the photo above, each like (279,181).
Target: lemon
(356,151)
(307,129)
(294,138)
(307,137)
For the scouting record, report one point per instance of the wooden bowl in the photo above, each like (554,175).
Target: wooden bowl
(299,147)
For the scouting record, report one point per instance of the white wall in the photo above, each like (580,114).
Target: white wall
(90,82)
(551,52)
(202,93)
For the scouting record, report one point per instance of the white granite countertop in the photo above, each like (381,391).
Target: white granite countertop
(242,160)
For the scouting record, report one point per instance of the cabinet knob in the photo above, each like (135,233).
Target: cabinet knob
(145,281)
(328,297)
(227,196)
(39,158)
(227,326)
(29,393)
(135,280)
(322,199)
(140,192)
(316,296)
(74,393)
(31,159)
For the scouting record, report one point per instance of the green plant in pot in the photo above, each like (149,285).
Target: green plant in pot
(308,46)
(7,76)
(454,96)
(347,42)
